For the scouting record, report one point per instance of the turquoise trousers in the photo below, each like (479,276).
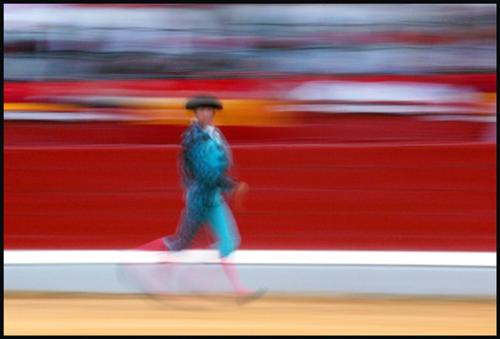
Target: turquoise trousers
(205,207)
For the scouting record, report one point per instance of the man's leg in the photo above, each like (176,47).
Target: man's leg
(228,239)
(222,223)
(192,217)
(191,222)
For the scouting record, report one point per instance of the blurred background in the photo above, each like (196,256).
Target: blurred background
(357,127)
(415,73)
(334,95)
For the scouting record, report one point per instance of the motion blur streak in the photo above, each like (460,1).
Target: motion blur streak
(357,127)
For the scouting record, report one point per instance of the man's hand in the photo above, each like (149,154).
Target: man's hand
(239,194)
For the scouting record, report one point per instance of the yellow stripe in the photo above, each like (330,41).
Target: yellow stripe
(172,111)
(235,112)
(14,106)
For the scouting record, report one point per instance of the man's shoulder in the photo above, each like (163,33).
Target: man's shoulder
(192,133)
(191,129)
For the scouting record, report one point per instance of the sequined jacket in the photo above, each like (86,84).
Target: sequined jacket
(204,162)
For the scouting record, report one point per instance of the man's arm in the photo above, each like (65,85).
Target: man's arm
(227,183)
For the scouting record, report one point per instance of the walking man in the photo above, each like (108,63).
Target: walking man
(205,159)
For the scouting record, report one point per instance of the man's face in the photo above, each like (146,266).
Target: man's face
(205,115)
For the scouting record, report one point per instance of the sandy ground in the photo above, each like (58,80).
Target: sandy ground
(133,315)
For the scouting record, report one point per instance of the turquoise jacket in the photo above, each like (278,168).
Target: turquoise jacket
(204,165)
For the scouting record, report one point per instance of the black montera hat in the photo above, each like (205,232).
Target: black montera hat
(203,101)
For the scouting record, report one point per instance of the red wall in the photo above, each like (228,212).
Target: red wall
(391,197)
(345,129)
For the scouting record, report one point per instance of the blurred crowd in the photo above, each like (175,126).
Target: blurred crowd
(86,41)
